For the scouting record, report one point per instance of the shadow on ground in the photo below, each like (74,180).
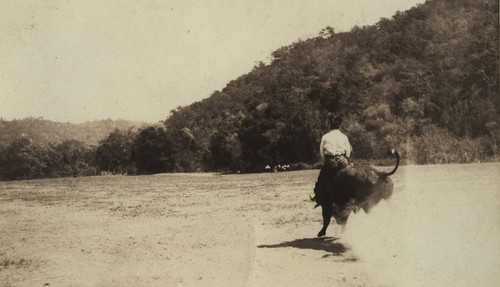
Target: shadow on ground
(327,244)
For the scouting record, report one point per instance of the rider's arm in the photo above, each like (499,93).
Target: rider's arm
(347,147)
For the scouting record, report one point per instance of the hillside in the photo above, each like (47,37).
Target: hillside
(424,82)
(43,131)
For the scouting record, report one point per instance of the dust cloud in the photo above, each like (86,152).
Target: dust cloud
(431,233)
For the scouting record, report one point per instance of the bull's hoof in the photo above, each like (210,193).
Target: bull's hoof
(321,233)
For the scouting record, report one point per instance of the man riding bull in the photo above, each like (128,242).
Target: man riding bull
(334,149)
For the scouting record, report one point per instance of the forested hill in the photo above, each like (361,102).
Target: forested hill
(424,82)
(43,132)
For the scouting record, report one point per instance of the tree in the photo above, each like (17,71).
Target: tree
(75,158)
(186,153)
(20,160)
(151,151)
(114,153)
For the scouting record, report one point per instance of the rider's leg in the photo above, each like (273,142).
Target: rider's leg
(322,178)
(327,215)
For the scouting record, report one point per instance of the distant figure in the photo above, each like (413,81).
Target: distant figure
(334,149)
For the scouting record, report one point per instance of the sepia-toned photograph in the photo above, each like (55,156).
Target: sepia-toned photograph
(346,143)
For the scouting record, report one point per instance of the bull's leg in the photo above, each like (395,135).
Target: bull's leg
(341,217)
(343,223)
(343,229)
(366,208)
(327,216)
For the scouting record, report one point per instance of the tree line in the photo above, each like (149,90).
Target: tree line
(148,150)
(424,82)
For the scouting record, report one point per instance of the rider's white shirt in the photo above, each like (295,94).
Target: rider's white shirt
(334,143)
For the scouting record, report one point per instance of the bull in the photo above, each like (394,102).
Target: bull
(351,189)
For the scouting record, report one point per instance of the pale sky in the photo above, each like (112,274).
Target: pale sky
(88,60)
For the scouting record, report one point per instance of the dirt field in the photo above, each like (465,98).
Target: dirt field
(441,228)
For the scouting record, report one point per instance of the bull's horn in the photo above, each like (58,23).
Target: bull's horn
(396,154)
(312,198)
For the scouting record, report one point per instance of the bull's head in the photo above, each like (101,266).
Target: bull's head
(385,187)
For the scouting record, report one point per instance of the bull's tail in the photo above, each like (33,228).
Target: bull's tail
(396,154)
